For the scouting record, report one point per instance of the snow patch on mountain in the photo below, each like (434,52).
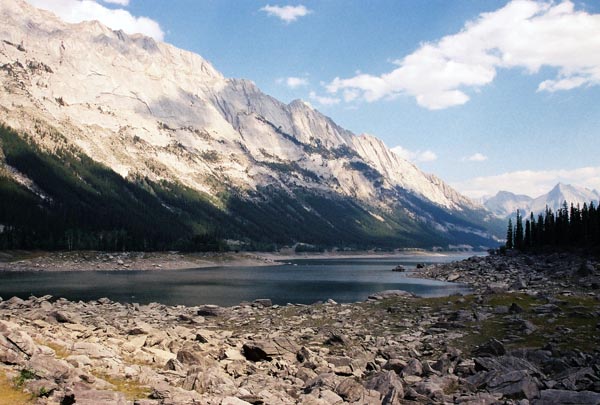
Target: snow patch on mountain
(505,203)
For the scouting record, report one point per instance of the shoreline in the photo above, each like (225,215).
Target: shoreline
(60,261)
(527,335)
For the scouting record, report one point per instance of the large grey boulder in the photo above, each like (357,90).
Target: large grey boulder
(387,383)
(562,397)
(350,390)
(515,385)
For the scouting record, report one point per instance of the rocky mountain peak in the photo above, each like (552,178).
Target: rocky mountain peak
(147,109)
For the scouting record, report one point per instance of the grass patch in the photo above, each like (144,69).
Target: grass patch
(573,326)
(60,352)
(23,376)
(525,301)
(10,394)
(132,389)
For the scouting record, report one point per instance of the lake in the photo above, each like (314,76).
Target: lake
(302,281)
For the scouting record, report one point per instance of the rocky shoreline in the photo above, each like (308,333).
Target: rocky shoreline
(118,261)
(530,333)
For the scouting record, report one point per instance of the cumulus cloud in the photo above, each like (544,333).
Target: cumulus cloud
(476,157)
(286,13)
(74,11)
(293,82)
(529,182)
(119,2)
(323,100)
(526,34)
(415,156)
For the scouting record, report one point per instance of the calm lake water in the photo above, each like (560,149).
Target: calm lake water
(298,281)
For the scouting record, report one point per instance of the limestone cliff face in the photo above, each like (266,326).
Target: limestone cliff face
(148,109)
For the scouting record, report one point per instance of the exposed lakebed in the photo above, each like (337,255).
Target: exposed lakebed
(298,281)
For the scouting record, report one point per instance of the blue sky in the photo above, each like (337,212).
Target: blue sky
(507,99)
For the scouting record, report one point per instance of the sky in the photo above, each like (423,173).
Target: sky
(487,95)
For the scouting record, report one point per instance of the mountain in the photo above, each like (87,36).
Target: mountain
(555,198)
(505,204)
(142,142)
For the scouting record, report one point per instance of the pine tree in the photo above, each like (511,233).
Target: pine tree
(509,235)
(539,241)
(527,240)
(519,232)
(585,224)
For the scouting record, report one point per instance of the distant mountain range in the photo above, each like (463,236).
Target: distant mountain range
(505,203)
(119,141)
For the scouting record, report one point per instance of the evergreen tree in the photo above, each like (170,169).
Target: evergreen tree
(574,227)
(509,235)
(527,240)
(585,223)
(519,231)
(533,230)
(539,240)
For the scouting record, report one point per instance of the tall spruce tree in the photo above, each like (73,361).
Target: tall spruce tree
(527,240)
(509,235)
(519,231)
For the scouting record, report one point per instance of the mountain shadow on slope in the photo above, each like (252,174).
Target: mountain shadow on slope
(73,202)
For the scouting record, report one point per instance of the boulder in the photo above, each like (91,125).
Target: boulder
(330,398)
(48,367)
(480,398)
(259,351)
(262,302)
(93,350)
(515,385)
(9,353)
(336,339)
(187,357)
(563,397)
(414,367)
(97,397)
(324,381)
(303,355)
(496,288)
(382,295)
(350,390)
(210,310)
(22,342)
(492,347)
(396,365)
(234,401)
(63,317)
(387,383)
(515,308)
(546,309)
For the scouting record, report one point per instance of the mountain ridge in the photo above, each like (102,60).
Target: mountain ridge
(505,203)
(146,109)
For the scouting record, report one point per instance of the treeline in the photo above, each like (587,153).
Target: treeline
(568,227)
(75,203)
(65,200)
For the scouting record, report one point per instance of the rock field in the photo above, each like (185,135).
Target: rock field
(529,334)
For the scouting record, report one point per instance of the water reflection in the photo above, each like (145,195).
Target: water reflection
(301,281)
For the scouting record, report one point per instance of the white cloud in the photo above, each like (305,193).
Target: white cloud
(415,156)
(286,13)
(529,182)
(476,157)
(119,2)
(293,82)
(323,100)
(74,11)
(525,34)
